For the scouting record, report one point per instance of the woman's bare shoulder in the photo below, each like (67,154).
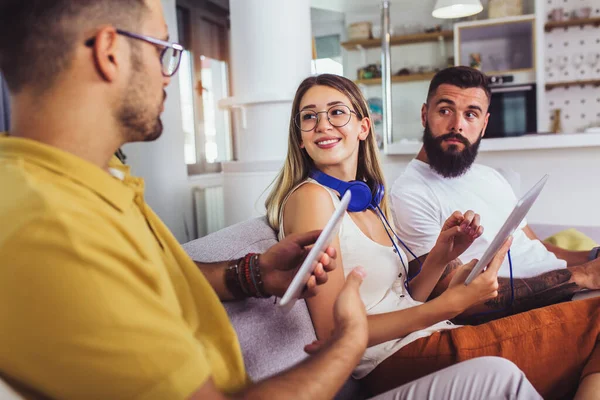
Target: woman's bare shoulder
(309,207)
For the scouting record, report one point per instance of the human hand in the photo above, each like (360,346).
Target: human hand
(349,315)
(279,264)
(457,234)
(484,287)
(587,275)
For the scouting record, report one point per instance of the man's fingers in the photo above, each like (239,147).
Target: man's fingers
(311,288)
(479,231)
(324,259)
(306,238)
(498,259)
(320,274)
(449,234)
(331,252)
(355,278)
(465,270)
(469,215)
(470,265)
(476,221)
(455,219)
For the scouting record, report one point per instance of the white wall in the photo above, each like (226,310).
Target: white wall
(572,194)
(327,22)
(161,163)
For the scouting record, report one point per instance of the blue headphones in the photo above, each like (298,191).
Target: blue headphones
(362,197)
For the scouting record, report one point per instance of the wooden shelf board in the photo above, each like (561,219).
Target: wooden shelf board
(594,82)
(396,40)
(398,78)
(572,22)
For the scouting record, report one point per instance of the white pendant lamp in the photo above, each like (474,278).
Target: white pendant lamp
(456,8)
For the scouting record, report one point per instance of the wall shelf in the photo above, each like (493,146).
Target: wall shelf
(554,85)
(398,40)
(398,78)
(572,22)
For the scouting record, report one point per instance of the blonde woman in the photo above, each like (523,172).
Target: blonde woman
(331,144)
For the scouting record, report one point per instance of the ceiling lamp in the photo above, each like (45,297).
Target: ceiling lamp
(456,8)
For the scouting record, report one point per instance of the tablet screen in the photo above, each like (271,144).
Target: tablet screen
(312,259)
(512,223)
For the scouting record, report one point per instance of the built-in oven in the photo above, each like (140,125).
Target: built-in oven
(513,108)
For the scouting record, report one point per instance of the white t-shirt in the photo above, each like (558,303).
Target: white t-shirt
(383,289)
(422,200)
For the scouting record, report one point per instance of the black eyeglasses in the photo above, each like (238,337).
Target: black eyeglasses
(170,56)
(338,116)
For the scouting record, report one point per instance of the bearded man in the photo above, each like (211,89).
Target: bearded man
(443,178)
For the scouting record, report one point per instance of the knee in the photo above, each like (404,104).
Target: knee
(498,365)
(505,377)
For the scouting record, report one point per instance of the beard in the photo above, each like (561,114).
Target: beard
(450,163)
(139,121)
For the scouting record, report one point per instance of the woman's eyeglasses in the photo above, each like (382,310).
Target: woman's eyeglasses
(338,116)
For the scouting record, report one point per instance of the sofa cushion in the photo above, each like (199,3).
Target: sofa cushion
(276,340)
(543,231)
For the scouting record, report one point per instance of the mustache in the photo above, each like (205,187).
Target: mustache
(455,136)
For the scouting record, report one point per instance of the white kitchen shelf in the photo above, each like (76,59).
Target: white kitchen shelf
(527,142)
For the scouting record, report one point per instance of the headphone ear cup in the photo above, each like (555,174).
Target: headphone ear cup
(377,197)
(361,196)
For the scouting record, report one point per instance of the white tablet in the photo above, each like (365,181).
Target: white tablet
(312,259)
(510,226)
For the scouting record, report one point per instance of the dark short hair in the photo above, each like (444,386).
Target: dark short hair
(462,77)
(38,37)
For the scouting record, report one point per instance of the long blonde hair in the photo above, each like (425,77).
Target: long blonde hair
(298,163)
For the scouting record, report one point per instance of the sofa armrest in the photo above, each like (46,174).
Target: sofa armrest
(271,340)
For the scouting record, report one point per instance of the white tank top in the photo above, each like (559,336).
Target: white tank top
(382,290)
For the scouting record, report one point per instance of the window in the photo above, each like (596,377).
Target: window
(329,56)
(217,123)
(187,107)
(204,81)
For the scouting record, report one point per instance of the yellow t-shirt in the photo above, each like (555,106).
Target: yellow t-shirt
(97,298)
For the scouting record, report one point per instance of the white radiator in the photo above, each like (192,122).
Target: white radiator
(209,211)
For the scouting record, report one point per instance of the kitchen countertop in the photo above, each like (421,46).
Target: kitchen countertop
(527,142)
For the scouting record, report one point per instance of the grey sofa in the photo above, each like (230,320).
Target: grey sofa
(272,341)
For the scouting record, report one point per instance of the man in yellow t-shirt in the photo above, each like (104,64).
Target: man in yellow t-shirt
(111,296)
(97,298)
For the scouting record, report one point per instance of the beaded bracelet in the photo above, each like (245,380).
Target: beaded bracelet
(232,281)
(247,275)
(256,277)
(243,278)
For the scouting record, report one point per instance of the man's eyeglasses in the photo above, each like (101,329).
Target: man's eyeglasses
(338,116)
(170,56)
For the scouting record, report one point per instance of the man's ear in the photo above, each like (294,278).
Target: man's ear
(424,115)
(106,57)
(365,128)
(485,124)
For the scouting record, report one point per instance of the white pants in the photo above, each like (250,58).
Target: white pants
(491,378)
